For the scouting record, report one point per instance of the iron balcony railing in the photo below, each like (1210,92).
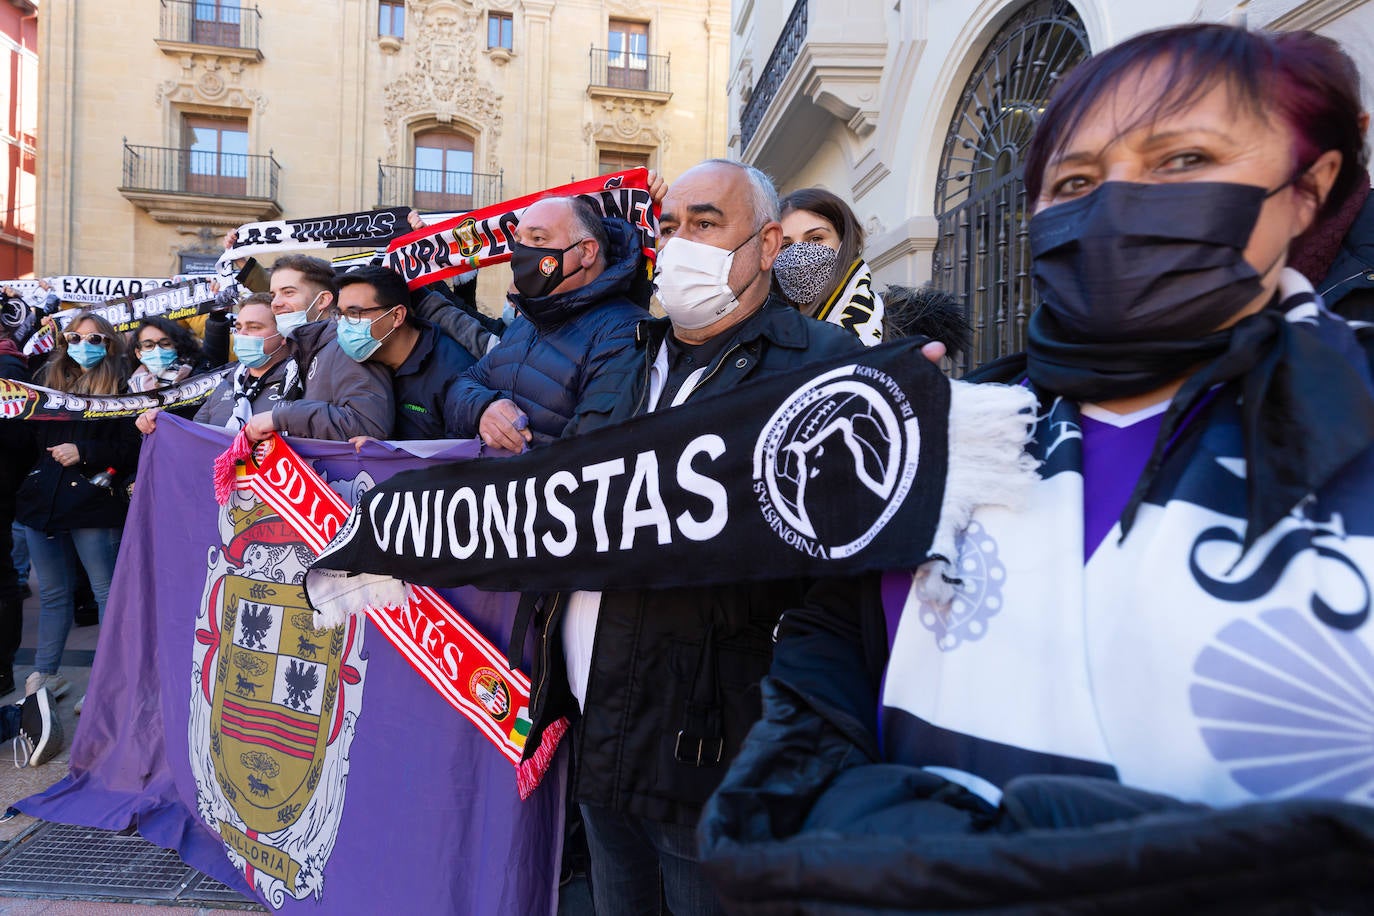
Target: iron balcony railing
(436,190)
(774,72)
(210,22)
(629,70)
(188,171)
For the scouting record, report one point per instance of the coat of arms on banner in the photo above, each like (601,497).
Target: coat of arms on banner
(274,705)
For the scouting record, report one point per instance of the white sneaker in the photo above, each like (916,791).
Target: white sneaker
(79,703)
(57,684)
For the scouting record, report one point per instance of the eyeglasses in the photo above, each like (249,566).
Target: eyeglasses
(147,346)
(98,339)
(355,315)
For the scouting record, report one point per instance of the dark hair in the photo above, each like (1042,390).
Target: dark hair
(1303,78)
(830,207)
(924,311)
(589,219)
(387,287)
(314,270)
(188,348)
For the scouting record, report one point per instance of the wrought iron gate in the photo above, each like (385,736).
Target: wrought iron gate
(982,256)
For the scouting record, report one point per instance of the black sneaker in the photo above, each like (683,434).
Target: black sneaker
(40,731)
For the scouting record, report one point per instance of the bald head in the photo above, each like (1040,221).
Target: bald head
(572,226)
(733,206)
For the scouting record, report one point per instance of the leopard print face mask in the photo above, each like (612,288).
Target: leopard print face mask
(804,270)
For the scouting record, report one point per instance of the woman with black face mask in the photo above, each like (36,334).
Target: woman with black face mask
(1152,685)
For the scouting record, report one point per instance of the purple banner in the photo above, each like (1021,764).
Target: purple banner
(310,768)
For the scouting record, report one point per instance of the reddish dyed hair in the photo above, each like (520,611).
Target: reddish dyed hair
(1303,79)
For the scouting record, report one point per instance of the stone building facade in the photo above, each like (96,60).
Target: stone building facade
(917,112)
(166,122)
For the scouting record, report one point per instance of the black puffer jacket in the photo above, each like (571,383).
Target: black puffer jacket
(673,686)
(546,369)
(808,820)
(56,498)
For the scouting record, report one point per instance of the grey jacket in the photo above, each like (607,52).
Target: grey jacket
(218,408)
(341,398)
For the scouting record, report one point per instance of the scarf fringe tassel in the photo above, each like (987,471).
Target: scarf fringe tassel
(225,468)
(989,427)
(530,773)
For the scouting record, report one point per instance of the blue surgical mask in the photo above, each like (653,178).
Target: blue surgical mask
(87,355)
(355,337)
(157,359)
(251,351)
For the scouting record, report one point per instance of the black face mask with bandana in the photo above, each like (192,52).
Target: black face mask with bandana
(539,271)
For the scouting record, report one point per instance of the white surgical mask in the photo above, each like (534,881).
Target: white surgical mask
(693,282)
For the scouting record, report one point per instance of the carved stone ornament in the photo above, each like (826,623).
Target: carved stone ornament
(209,79)
(442,81)
(626,122)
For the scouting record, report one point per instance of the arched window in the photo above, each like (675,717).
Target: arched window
(443,171)
(982,255)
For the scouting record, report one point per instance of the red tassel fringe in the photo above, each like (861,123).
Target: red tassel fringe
(225,467)
(529,773)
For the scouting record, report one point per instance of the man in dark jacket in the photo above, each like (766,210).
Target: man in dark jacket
(377,325)
(334,397)
(667,681)
(573,272)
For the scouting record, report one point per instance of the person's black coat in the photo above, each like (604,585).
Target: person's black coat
(56,498)
(810,820)
(674,669)
(423,381)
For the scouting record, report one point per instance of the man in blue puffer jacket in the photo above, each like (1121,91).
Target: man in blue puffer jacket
(573,272)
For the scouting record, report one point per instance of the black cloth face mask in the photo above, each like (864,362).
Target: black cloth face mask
(538,271)
(1158,262)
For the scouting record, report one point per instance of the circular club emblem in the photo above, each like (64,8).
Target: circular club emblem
(489,689)
(835,462)
(466,237)
(13,400)
(547,265)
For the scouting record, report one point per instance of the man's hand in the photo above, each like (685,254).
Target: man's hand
(934,351)
(657,187)
(415,220)
(230,238)
(147,421)
(358,441)
(505,425)
(65,454)
(259,426)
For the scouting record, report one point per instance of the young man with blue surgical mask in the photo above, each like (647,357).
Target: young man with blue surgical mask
(376,325)
(265,369)
(333,396)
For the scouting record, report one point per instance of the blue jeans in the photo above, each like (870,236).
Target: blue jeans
(20,553)
(54,558)
(637,862)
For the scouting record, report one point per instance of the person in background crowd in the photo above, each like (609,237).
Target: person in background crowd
(67,518)
(573,270)
(165,353)
(256,385)
(1337,254)
(1143,692)
(376,324)
(332,396)
(13,466)
(821,269)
